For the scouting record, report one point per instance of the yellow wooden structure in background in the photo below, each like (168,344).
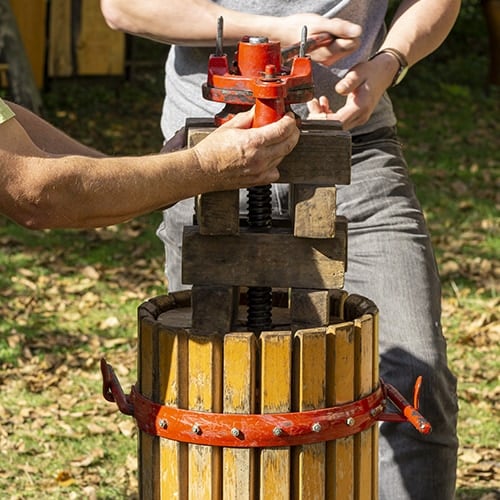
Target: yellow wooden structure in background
(57,48)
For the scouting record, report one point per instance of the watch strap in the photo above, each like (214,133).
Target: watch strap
(403,63)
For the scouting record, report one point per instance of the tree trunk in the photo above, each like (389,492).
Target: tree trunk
(21,80)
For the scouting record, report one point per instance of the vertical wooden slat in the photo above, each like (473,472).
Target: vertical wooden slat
(340,389)
(239,397)
(363,453)
(276,348)
(172,379)
(30,16)
(309,388)
(100,50)
(60,59)
(204,394)
(375,383)
(149,466)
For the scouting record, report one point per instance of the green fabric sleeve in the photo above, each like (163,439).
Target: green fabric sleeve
(5,112)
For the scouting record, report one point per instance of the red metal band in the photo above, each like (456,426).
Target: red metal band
(263,430)
(257,430)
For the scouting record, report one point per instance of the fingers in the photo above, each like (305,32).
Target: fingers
(242,119)
(284,131)
(345,29)
(319,109)
(234,157)
(346,40)
(351,81)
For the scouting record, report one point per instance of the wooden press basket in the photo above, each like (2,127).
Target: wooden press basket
(293,368)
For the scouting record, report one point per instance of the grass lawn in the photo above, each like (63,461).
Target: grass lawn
(69,297)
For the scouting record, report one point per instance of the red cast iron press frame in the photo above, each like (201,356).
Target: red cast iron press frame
(259,76)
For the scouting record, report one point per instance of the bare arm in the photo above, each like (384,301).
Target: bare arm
(419,27)
(194,22)
(47,137)
(41,189)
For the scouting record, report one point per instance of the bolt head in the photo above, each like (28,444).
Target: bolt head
(350,421)
(163,423)
(316,427)
(277,431)
(235,432)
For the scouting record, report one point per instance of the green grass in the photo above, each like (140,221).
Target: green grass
(70,297)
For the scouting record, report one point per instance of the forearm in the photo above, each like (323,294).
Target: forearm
(49,138)
(420,26)
(45,190)
(82,192)
(182,22)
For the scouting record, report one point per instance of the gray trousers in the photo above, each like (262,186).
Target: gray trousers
(391,262)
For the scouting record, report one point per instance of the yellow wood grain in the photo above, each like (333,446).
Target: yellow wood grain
(309,387)
(363,442)
(100,50)
(276,371)
(172,380)
(60,58)
(340,389)
(375,383)
(30,17)
(149,465)
(204,394)
(239,397)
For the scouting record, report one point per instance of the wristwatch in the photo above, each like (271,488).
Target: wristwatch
(403,64)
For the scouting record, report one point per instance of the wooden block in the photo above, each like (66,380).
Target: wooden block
(214,308)
(204,394)
(310,307)
(314,211)
(322,156)
(276,259)
(173,383)
(218,212)
(310,371)
(340,389)
(363,442)
(276,383)
(239,397)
